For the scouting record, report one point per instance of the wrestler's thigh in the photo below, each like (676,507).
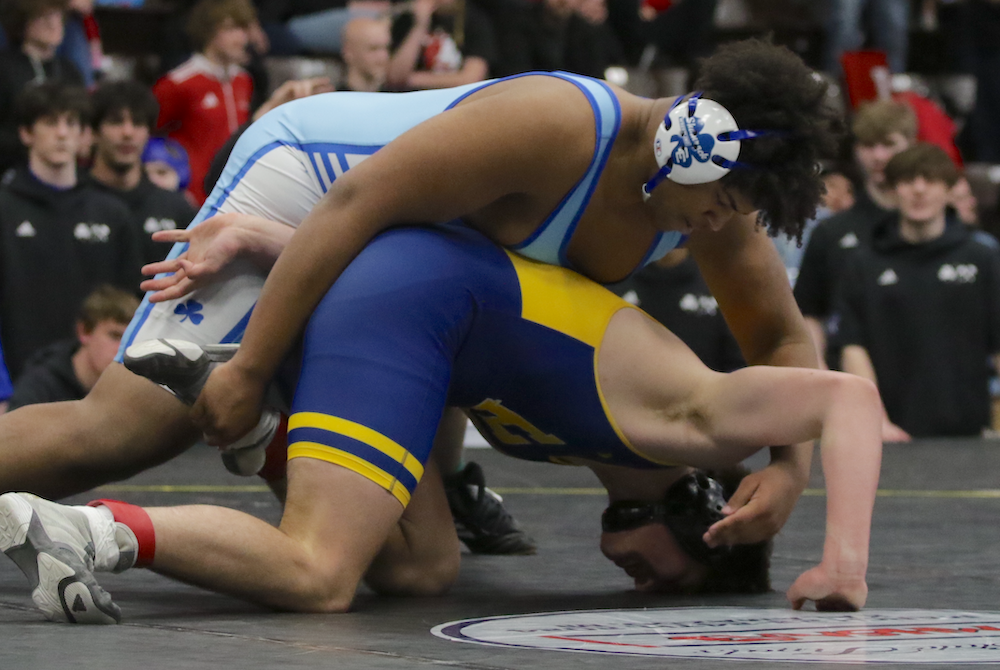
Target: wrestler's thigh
(342,518)
(651,382)
(125,425)
(143,419)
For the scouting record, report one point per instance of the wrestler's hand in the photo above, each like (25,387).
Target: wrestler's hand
(831,592)
(760,506)
(212,245)
(229,405)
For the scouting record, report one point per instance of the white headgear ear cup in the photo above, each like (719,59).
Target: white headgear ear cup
(692,140)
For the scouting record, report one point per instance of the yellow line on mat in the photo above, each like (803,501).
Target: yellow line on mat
(260,488)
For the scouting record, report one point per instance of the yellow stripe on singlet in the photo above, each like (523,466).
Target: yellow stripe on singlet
(564,301)
(571,304)
(323,452)
(363,434)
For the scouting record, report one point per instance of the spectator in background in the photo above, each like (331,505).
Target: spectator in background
(682,32)
(166,164)
(881,130)
(673,292)
(964,202)
(441,43)
(920,307)
(555,35)
(839,197)
(34,30)
(591,44)
(59,237)
(68,369)
(123,116)
(888,30)
(984,136)
(366,43)
(205,99)
(313,26)
(81,44)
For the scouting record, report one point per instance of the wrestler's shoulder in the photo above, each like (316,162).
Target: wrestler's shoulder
(544,109)
(554,96)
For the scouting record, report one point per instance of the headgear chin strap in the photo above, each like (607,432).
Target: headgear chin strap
(697,143)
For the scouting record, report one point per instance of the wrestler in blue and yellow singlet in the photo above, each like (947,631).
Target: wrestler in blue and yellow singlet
(431,317)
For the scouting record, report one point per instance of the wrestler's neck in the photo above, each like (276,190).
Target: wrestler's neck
(633,484)
(640,119)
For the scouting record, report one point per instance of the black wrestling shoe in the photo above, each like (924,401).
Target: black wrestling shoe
(481,520)
(183,368)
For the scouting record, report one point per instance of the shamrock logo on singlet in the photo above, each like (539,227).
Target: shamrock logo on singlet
(692,144)
(190,310)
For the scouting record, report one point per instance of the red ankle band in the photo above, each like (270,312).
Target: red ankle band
(275,465)
(138,521)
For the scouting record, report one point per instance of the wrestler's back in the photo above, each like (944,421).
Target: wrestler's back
(607,240)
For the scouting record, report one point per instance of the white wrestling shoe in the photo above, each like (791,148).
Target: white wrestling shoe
(58,548)
(183,368)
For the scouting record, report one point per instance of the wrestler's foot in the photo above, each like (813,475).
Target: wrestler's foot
(482,522)
(183,367)
(58,547)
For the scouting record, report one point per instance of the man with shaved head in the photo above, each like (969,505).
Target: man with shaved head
(365,51)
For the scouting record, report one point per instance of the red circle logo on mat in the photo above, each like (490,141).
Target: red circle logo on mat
(748,634)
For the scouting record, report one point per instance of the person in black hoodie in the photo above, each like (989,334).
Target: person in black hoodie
(35,30)
(881,130)
(920,308)
(59,238)
(68,369)
(124,114)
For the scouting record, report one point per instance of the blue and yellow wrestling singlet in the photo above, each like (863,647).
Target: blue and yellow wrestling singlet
(426,318)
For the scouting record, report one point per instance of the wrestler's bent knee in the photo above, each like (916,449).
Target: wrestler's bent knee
(418,579)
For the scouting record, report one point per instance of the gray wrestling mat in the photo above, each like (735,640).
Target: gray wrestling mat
(934,547)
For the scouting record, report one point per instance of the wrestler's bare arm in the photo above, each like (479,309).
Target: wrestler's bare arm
(763,405)
(674,409)
(454,164)
(747,278)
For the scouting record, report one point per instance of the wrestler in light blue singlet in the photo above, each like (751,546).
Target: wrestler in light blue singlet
(338,130)
(328,135)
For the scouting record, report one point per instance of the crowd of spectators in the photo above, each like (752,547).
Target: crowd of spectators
(895,276)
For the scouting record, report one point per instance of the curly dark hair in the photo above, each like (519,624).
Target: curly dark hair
(746,568)
(767,87)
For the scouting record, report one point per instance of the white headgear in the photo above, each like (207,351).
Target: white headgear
(697,143)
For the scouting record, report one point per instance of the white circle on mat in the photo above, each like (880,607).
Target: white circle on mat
(749,634)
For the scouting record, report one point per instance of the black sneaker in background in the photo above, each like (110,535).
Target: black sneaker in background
(481,520)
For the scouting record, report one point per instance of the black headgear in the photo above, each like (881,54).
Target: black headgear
(691,505)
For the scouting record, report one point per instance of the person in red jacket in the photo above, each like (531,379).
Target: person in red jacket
(206,98)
